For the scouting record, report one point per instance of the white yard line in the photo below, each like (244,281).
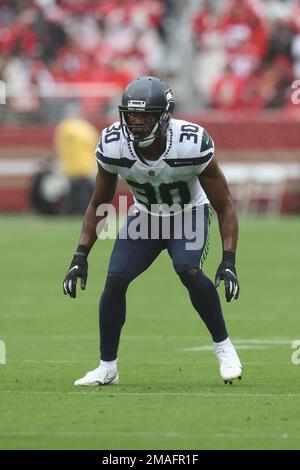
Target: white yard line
(250,343)
(210,348)
(276,341)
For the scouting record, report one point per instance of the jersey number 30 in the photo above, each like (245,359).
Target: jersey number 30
(146,194)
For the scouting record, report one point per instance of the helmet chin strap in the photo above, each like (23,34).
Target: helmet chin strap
(146,143)
(150,138)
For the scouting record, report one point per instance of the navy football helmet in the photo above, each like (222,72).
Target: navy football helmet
(149,95)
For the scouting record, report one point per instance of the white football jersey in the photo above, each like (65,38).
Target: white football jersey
(172,179)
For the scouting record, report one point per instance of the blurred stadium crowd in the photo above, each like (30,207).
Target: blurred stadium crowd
(246,53)
(47,43)
(249,53)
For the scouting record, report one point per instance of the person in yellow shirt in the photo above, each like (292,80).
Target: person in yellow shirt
(75,142)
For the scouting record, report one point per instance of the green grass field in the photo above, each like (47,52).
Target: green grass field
(170,394)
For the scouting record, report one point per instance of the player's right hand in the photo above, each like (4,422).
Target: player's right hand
(78,269)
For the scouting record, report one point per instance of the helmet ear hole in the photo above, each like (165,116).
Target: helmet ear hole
(171,106)
(170,101)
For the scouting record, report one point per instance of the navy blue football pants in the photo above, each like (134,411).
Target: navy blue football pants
(186,240)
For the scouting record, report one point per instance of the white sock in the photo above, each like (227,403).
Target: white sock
(109,364)
(225,342)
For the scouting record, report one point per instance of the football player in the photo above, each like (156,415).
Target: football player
(165,161)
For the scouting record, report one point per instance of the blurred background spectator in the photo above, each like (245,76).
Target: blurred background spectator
(75,143)
(48,188)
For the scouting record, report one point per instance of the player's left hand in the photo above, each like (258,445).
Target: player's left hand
(226,272)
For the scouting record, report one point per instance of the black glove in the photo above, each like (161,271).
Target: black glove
(78,269)
(226,272)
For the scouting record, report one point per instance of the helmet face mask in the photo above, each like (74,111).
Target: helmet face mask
(141,124)
(145,113)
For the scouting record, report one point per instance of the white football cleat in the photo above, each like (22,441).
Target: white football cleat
(230,366)
(100,376)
